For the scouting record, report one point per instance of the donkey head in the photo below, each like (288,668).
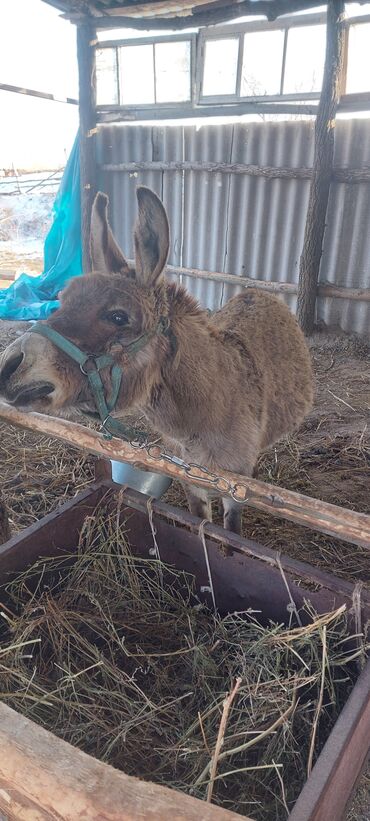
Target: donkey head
(103,312)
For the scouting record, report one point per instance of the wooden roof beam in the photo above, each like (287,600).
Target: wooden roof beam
(197,16)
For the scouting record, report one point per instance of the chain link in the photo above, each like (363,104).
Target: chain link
(238,492)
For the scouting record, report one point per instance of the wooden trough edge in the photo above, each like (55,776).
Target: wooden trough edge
(340,762)
(42,776)
(326,518)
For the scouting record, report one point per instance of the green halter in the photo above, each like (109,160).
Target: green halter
(91,366)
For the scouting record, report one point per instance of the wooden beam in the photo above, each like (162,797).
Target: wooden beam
(198,17)
(344,175)
(30,92)
(43,777)
(116,114)
(86,41)
(324,290)
(322,167)
(312,513)
(111,114)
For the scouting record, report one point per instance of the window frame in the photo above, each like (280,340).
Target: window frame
(150,41)
(238,30)
(224,104)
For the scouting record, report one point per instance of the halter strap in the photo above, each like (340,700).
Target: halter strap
(91,366)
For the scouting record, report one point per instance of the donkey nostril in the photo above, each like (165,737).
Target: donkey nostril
(10,367)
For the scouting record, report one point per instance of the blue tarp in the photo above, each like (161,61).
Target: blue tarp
(36,297)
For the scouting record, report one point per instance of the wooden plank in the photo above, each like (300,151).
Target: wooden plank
(344,175)
(43,777)
(328,790)
(322,167)
(86,41)
(312,513)
(197,17)
(29,92)
(115,114)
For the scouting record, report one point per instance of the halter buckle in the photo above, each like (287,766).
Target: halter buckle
(83,365)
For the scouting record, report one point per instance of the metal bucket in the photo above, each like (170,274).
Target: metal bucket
(152,484)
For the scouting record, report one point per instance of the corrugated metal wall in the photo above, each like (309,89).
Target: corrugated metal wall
(246,225)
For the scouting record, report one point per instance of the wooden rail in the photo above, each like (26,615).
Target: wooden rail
(268,172)
(323,290)
(312,513)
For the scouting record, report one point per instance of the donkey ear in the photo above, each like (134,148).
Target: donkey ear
(152,237)
(106,256)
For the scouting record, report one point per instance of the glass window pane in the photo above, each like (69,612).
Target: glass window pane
(220,66)
(106,76)
(358,72)
(136,75)
(305,59)
(261,74)
(172,72)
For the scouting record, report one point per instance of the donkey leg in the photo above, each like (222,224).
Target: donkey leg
(232,515)
(199,502)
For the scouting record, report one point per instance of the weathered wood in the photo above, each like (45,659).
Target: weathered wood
(161,8)
(233,279)
(344,175)
(175,111)
(86,40)
(322,167)
(115,114)
(43,777)
(312,513)
(324,290)
(267,172)
(199,17)
(30,92)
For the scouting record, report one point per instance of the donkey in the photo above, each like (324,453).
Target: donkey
(218,388)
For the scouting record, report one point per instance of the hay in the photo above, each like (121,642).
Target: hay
(116,655)
(38,474)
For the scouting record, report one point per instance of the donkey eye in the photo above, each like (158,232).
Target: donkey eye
(118,318)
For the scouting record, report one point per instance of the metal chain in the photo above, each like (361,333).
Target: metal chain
(219,483)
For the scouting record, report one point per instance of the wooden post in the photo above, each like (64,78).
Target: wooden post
(322,167)
(86,38)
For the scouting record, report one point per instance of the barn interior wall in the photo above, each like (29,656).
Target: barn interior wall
(244,225)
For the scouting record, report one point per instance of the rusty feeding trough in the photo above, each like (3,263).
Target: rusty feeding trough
(42,776)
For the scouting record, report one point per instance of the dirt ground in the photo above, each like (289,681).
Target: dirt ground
(329,458)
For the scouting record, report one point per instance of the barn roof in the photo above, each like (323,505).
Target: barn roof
(174,14)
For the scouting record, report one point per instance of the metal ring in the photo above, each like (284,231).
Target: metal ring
(89,358)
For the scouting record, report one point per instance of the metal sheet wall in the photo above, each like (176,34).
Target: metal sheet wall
(246,225)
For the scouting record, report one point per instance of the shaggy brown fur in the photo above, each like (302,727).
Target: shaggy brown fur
(219,388)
